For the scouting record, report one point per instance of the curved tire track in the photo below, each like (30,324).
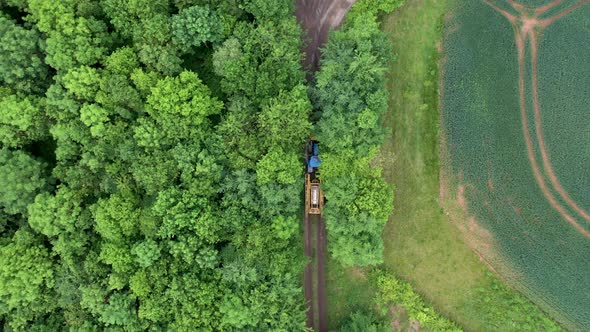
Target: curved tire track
(528,28)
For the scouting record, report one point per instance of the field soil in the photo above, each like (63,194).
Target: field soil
(315,272)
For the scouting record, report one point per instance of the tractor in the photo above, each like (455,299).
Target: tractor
(314,197)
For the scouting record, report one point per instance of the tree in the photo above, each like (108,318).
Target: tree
(236,315)
(77,41)
(196,25)
(26,279)
(146,253)
(123,61)
(283,122)
(21,4)
(277,199)
(22,120)
(280,167)
(111,308)
(240,133)
(65,222)
(21,178)
(355,239)
(374,7)
(152,38)
(82,82)
(179,108)
(118,217)
(21,61)
(260,61)
(358,205)
(149,26)
(153,176)
(350,87)
(183,212)
(125,16)
(269,10)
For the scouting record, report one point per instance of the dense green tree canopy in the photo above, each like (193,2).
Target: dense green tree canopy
(21,60)
(124,203)
(350,87)
(22,177)
(196,25)
(350,95)
(26,279)
(22,120)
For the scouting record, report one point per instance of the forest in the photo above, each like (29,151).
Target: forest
(151,172)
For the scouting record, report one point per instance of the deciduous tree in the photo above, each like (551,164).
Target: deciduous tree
(26,279)
(196,25)
(22,120)
(22,177)
(21,60)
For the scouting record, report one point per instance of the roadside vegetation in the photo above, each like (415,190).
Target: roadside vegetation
(350,98)
(422,247)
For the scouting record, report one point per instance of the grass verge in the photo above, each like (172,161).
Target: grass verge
(348,290)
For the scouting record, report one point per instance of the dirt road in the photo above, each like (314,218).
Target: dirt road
(314,233)
(308,277)
(317,17)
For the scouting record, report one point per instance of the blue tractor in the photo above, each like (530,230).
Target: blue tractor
(313,160)
(314,197)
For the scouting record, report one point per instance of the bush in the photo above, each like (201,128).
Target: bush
(364,322)
(392,291)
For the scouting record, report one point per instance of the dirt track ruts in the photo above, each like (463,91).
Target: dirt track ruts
(317,18)
(316,319)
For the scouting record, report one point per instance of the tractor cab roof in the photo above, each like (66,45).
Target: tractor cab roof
(314,161)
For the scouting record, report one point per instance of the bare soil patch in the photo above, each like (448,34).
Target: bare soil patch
(317,19)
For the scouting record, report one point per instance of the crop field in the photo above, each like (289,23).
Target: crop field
(516,143)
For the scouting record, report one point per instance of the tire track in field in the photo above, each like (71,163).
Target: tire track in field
(528,27)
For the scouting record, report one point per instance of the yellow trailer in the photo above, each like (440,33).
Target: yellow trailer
(314,197)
